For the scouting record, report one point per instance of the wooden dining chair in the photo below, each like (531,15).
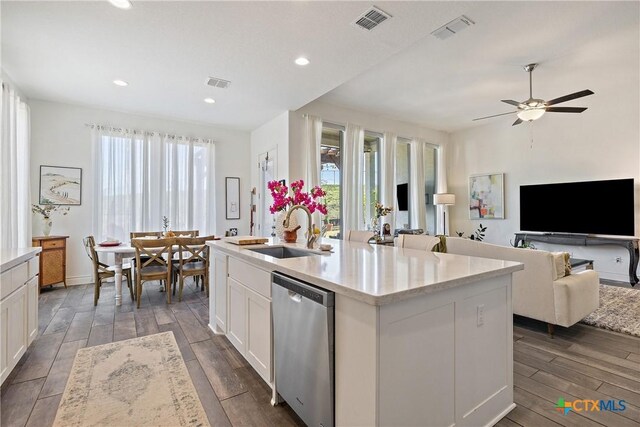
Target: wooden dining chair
(138,234)
(193,260)
(103,271)
(186,233)
(153,262)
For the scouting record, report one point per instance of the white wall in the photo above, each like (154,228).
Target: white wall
(271,137)
(59,137)
(601,143)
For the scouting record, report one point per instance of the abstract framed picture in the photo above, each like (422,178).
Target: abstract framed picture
(486,196)
(60,185)
(232,196)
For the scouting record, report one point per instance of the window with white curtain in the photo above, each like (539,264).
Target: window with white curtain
(143,176)
(402,182)
(14,170)
(330,175)
(371,175)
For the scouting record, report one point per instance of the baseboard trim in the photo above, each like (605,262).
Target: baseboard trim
(79,280)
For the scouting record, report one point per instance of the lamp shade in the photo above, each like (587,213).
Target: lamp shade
(444,199)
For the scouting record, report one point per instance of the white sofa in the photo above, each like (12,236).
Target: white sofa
(537,292)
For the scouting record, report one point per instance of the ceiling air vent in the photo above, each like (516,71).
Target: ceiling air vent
(371,19)
(451,28)
(216,82)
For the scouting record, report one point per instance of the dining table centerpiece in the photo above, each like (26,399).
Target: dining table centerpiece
(46,211)
(379,211)
(284,198)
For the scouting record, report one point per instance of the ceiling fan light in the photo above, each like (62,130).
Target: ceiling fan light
(531,114)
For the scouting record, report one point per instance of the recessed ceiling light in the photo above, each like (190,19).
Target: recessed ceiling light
(210,100)
(120,83)
(302,61)
(121,4)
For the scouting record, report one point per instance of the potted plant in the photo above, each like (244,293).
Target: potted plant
(285,198)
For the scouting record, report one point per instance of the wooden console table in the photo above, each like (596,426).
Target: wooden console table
(631,243)
(53,259)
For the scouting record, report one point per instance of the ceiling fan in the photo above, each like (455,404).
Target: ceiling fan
(532,109)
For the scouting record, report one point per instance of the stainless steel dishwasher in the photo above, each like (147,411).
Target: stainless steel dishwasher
(303,317)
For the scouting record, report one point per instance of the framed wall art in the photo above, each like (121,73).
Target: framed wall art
(486,196)
(60,185)
(232,197)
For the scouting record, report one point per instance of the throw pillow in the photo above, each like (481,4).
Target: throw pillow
(558,265)
(567,263)
(561,263)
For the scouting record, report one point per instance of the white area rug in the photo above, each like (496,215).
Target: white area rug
(619,310)
(138,382)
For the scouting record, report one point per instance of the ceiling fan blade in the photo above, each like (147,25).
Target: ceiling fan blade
(569,97)
(495,115)
(511,101)
(517,122)
(565,109)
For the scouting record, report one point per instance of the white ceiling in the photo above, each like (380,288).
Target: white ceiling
(444,84)
(71,51)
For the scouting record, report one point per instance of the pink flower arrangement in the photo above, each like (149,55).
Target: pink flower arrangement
(282,200)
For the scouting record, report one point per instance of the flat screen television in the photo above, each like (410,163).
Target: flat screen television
(590,207)
(403,197)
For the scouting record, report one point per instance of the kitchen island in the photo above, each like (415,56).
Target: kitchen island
(421,338)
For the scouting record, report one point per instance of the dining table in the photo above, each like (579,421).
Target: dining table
(120,252)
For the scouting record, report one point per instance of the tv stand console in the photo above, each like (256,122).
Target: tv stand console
(631,243)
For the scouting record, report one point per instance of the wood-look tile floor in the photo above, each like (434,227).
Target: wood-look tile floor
(230,390)
(581,362)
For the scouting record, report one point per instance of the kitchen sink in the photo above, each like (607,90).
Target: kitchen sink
(282,252)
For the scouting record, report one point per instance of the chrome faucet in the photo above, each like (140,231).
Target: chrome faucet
(311,237)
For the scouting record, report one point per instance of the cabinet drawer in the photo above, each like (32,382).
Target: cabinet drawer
(48,244)
(13,279)
(250,276)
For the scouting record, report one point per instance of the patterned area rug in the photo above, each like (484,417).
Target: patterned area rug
(137,382)
(619,310)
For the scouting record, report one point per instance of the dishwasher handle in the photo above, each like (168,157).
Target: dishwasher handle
(304,290)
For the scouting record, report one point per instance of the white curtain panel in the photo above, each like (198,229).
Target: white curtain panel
(142,176)
(441,185)
(388,189)
(312,140)
(352,196)
(15,208)
(417,207)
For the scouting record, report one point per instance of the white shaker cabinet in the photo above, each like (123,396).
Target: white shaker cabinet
(249,315)
(237,319)
(259,334)
(218,293)
(18,309)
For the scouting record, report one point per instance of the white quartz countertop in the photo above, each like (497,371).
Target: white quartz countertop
(10,257)
(375,274)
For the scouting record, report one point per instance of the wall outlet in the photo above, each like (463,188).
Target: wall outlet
(481,315)
(619,260)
